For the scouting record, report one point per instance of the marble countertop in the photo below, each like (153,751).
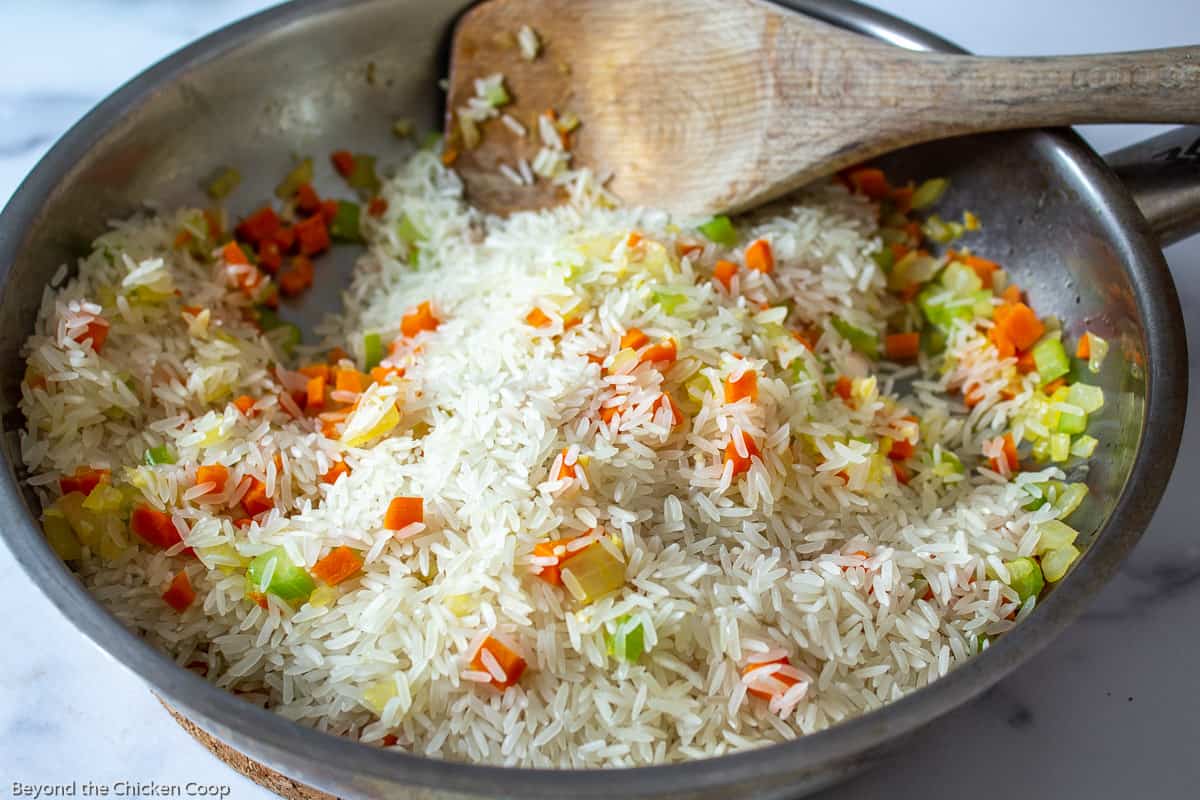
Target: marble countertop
(1108,710)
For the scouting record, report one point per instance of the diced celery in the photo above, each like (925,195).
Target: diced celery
(407,230)
(960,279)
(592,573)
(285,336)
(1054,534)
(1055,563)
(914,269)
(59,535)
(1041,450)
(885,260)
(496,95)
(1071,422)
(1084,446)
(1069,499)
(1051,360)
(933,341)
(946,463)
(668,300)
(160,454)
(719,230)
(345,224)
(1025,577)
(222,183)
(322,596)
(358,433)
(288,581)
(1098,351)
(372,350)
(941,231)
(1060,447)
(1089,398)
(929,192)
(377,695)
(301,174)
(698,386)
(362,175)
(862,340)
(626,642)
(105,499)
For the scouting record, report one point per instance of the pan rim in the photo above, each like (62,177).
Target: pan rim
(270,736)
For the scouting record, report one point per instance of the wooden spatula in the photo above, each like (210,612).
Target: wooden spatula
(699,106)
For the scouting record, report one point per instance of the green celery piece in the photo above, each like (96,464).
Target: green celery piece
(1055,563)
(372,350)
(1060,447)
(362,176)
(668,300)
(288,582)
(160,454)
(885,259)
(960,279)
(1084,446)
(1070,422)
(719,230)
(1051,360)
(345,224)
(408,231)
(497,96)
(864,341)
(1099,350)
(1069,499)
(627,642)
(933,341)
(301,174)
(1054,534)
(1089,398)
(223,183)
(1025,577)
(929,192)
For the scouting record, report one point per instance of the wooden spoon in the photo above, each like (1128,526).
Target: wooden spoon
(700,106)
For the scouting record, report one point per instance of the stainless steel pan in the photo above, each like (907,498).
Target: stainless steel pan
(317,75)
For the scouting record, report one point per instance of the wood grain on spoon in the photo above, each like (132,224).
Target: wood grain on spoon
(699,106)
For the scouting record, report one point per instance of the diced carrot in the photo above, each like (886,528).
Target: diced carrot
(550,574)
(154,526)
(312,235)
(316,394)
(256,500)
(899,250)
(402,512)
(390,740)
(338,565)
(332,474)
(180,594)
(633,240)
(662,351)
(419,319)
(258,599)
(259,227)
(901,472)
(335,355)
(97,331)
(901,197)
(329,429)
(870,182)
(665,399)
(634,338)
(843,388)
(315,370)
(787,680)
(343,162)
(1011,293)
(213,220)
(902,346)
(232,253)
(745,386)
(1084,350)
(998,336)
(741,463)
(182,239)
(685,248)
(985,269)
(285,237)
(538,319)
(270,257)
(350,380)
(565,470)
(972,396)
(83,481)
(1010,455)
(901,449)
(1021,325)
(1054,385)
(244,404)
(511,664)
(307,199)
(759,256)
(449,156)
(297,277)
(804,339)
(381,373)
(723,273)
(215,474)
(329,210)
(608,412)
(377,207)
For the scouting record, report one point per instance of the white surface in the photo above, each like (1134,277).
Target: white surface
(1108,710)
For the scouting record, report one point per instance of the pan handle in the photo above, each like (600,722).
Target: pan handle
(1163,175)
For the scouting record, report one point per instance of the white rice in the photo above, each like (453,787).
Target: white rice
(723,572)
